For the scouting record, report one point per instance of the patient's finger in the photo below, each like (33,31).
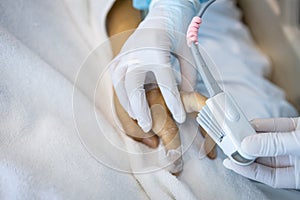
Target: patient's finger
(208,148)
(165,127)
(151,141)
(163,124)
(132,129)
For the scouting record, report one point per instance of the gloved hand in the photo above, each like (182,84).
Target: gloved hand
(278,146)
(146,58)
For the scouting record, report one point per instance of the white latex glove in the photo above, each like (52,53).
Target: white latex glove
(149,50)
(278,146)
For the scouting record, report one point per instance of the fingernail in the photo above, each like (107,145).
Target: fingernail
(174,155)
(151,142)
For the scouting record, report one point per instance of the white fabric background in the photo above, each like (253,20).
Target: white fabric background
(51,144)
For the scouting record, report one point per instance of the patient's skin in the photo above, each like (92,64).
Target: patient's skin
(164,126)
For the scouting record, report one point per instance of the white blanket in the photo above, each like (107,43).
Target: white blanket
(58,136)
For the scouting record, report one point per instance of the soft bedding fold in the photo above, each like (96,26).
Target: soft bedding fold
(58,135)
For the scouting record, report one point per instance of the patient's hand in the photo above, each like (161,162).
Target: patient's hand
(164,126)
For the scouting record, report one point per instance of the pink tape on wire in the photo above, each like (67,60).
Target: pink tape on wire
(192,32)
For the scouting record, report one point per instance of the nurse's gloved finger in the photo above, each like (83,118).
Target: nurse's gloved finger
(188,75)
(274,124)
(123,99)
(275,177)
(134,84)
(141,109)
(168,87)
(272,144)
(118,79)
(279,161)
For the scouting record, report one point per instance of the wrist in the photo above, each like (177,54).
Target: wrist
(170,15)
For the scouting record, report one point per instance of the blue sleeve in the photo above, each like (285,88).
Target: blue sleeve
(141,4)
(144,4)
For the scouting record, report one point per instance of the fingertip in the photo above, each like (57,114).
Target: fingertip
(250,145)
(140,109)
(151,142)
(227,163)
(146,128)
(181,115)
(180,118)
(146,125)
(255,124)
(174,104)
(250,171)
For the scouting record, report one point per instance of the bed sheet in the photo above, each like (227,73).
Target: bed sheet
(59,138)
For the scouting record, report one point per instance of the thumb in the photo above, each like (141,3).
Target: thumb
(272,144)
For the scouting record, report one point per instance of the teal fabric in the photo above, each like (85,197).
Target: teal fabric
(144,4)
(141,4)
